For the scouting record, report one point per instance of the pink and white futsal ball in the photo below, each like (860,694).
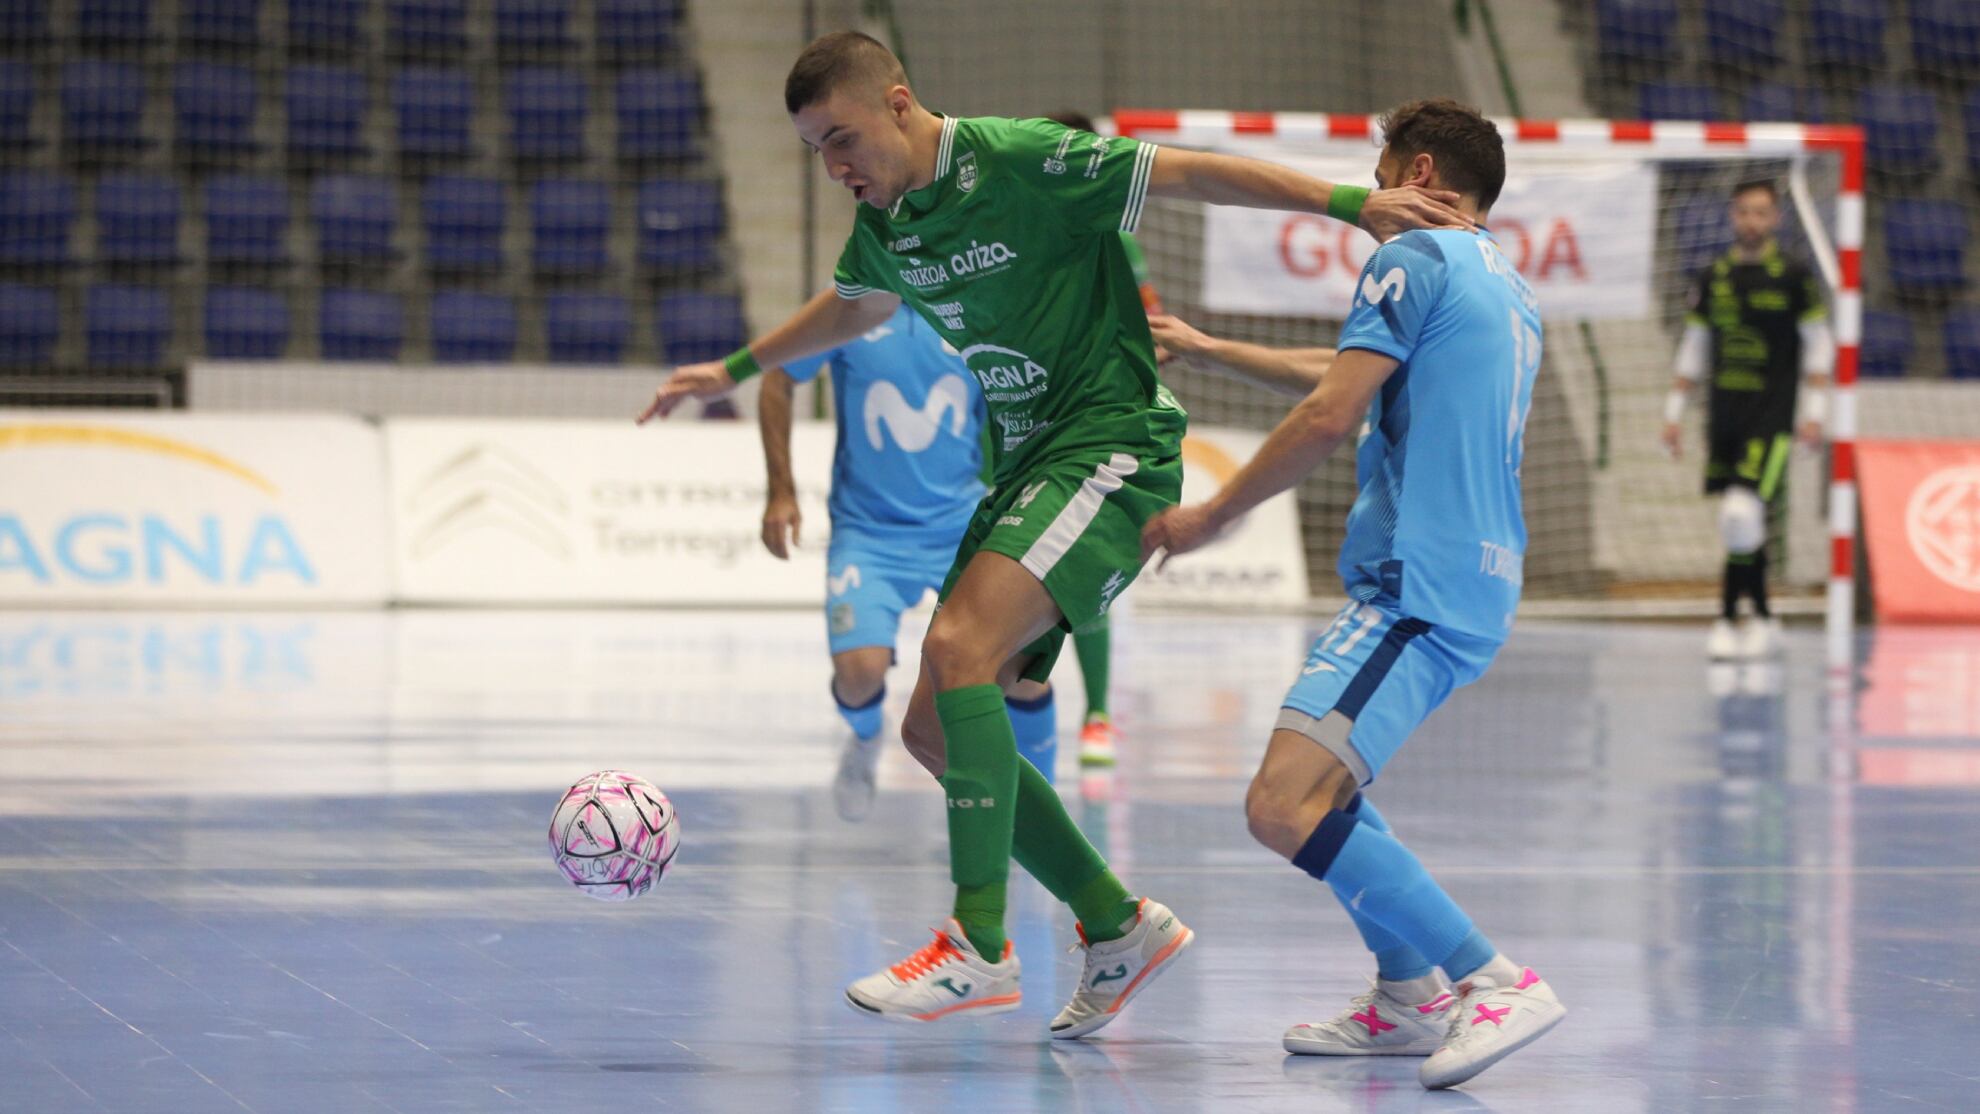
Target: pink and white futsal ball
(613,835)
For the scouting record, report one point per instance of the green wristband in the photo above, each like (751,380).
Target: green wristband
(742,364)
(1345,203)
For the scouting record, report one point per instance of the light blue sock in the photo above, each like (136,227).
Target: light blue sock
(865,719)
(1036,725)
(1383,881)
(1395,961)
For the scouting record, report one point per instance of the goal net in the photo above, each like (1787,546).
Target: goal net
(1610,222)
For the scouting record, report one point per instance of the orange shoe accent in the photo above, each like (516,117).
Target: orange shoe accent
(1000,1000)
(928,958)
(1154,965)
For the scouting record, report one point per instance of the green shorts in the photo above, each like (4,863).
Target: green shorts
(1075,524)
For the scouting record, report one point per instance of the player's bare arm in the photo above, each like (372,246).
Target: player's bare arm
(1293,372)
(781,518)
(826,321)
(1256,184)
(1308,435)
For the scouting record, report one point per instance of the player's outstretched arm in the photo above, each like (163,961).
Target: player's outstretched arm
(1307,436)
(1293,372)
(826,321)
(1256,184)
(781,518)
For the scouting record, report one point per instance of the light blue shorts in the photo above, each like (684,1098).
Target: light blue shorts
(1372,677)
(869,582)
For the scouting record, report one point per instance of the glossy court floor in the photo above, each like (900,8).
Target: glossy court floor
(296,863)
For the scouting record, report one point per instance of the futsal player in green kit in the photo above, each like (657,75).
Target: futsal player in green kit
(1005,236)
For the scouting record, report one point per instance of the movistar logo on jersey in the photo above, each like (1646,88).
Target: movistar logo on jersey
(914,429)
(1391,286)
(843,581)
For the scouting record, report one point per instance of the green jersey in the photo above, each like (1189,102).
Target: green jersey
(1014,254)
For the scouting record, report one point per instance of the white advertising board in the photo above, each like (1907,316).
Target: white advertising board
(179,508)
(1258,562)
(533,512)
(1581,234)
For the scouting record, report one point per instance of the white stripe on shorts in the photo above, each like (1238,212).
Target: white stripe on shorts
(1078,514)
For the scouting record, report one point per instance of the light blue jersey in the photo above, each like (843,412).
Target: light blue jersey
(910,419)
(1437,532)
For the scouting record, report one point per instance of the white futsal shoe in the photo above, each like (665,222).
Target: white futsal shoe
(1488,1023)
(1117,970)
(854,785)
(1376,1024)
(1724,643)
(947,978)
(1761,640)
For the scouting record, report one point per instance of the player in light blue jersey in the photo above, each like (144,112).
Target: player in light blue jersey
(906,477)
(1435,367)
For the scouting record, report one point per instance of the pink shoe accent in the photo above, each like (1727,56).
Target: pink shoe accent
(1495,1016)
(1435,1005)
(1374,1021)
(1526,978)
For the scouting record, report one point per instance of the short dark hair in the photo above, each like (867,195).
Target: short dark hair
(1078,121)
(1470,155)
(1773,191)
(836,60)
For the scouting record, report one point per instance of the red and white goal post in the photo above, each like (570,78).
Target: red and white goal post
(1606,218)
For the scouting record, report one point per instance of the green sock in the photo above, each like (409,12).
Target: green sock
(1049,846)
(1095,648)
(981,784)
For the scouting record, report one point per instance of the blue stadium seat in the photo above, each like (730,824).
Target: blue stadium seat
(103,105)
(235,24)
(17,88)
(1847,33)
(1962,331)
(1677,100)
(1700,233)
(360,325)
(436,111)
(24,22)
(215,106)
(630,30)
(1885,352)
(137,218)
(657,112)
(1899,123)
(463,219)
(473,328)
(569,222)
(1925,242)
(246,323)
(695,327)
(127,326)
(1945,37)
(429,27)
(30,324)
(1971,117)
(533,27)
(1634,34)
(326,111)
(1743,33)
(37,213)
(247,219)
(546,109)
(355,215)
(113,21)
(1773,101)
(586,328)
(327,27)
(680,225)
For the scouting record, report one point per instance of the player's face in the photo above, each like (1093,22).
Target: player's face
(1755,218)
(862,140)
